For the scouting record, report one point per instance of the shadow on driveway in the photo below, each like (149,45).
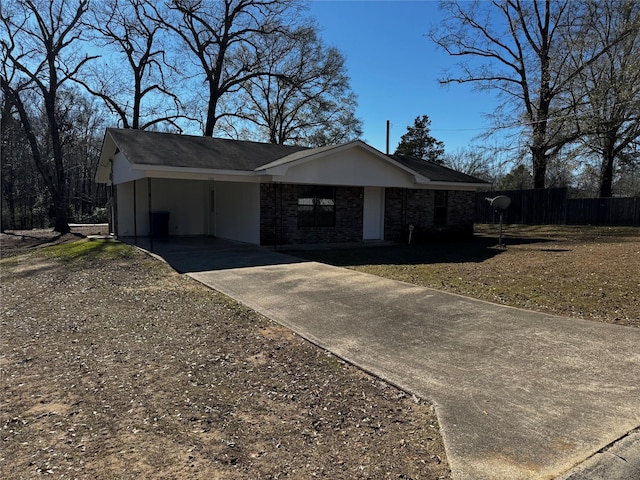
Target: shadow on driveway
(202,254)
(473,250)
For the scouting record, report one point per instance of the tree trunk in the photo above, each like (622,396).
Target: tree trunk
(539,145)
(606,175)
(539,167)
(61,224)
(59,191)
(7,175)
(212,107)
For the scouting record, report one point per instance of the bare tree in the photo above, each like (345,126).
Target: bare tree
(135,90)
(39,52)
(628,173)
(223,38)
(473,162)
(606,95)
(519,51)
(305,98)
(15,173)
(81,130)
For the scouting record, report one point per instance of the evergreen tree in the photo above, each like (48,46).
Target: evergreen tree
(419,143)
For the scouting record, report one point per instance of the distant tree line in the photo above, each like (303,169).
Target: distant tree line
(244,69)
(569,76)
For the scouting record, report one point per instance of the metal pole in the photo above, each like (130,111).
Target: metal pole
(150,216)
(388,131)
(135,214)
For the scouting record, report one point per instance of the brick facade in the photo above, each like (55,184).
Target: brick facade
(279,215)
(404,207)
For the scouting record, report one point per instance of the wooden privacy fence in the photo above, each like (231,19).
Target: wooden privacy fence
(551,206)
(603,211)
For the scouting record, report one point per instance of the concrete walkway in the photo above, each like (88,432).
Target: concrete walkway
(519,395)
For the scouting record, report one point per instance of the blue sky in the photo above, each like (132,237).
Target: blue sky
(394,70)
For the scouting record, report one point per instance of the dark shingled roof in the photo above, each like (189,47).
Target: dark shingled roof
(167,149)
(433,171)
(185,151)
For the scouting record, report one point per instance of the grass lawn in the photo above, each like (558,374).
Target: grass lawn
(584,272)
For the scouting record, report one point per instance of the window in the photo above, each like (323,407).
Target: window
(440,201)
(316,206)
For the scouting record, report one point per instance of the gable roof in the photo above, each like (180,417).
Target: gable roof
(295,157)
(428,171)
(155,151)
(170,150)
(434,171)
(315,153)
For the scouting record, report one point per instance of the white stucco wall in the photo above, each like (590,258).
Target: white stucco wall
(354,167)
(125,195)
(185,200)
(236,215)
(122,171)
(237,211)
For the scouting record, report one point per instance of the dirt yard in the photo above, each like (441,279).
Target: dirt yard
(113,366)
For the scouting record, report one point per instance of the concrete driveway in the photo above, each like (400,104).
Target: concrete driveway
(519,395)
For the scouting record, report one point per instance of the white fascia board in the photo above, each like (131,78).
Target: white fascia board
(419,178)
(296,158)
(452,186)
(187,173)
(107,152)
(280,169)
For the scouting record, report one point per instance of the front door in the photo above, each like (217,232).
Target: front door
(373,214)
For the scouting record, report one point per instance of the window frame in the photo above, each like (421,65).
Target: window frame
(316,206)
(440,208)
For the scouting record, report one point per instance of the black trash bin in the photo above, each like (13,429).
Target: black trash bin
(159,224)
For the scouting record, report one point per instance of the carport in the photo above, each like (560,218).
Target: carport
(194,208)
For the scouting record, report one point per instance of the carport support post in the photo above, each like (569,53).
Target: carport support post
(150,216)
(135,215)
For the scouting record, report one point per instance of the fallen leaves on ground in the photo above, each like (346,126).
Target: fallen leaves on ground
(121,368)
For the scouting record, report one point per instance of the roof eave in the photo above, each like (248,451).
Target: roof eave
(205,172)
(457,185)
(279,169)
(103,171)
